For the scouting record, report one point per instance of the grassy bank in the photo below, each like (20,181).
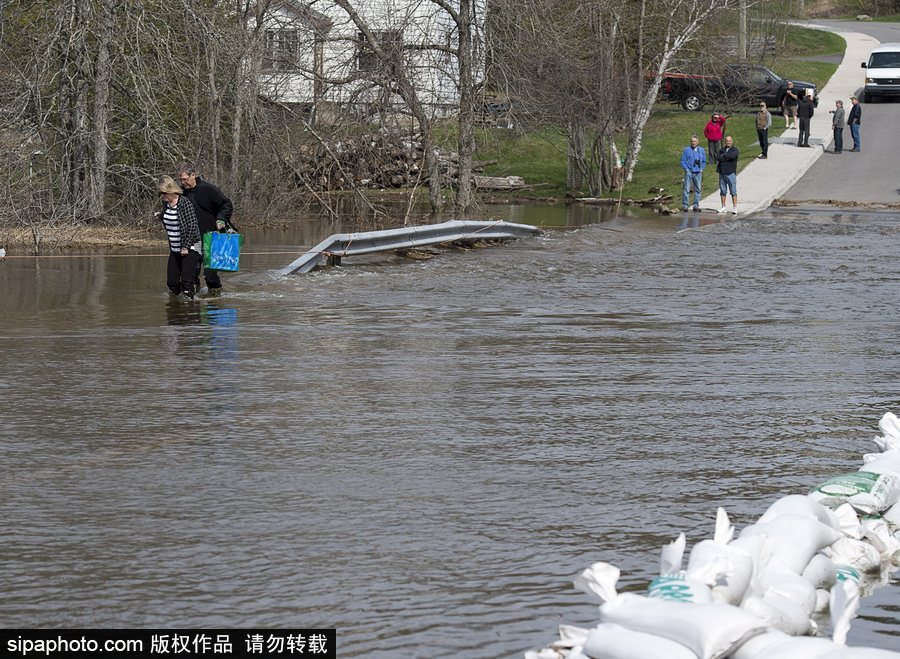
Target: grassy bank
(540,157)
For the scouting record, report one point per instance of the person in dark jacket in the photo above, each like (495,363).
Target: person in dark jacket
(727,169)
(214,211)
(805,112)
(185,248)
(853,120)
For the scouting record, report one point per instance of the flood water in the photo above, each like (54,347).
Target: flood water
(423,454)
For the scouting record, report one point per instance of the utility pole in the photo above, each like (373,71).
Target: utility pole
(742,30)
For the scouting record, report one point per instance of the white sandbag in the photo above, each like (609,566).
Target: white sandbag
(866,491)
(861,653)
(878,533)
(848,521)
(849,574)
(577,653)
(679,588)
(609,641)
(778,580)
(708,630)
(820,572)
(844,605)
(570,636)
(775,644)
(543,653)
(855,553)
(598,580)
(892,515)
(671,557)
(792,539)
(882,463)
(802,505)
(890,428)
(779,613)
(822,599)
(725,568)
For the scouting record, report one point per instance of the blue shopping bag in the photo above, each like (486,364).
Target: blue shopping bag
(222,251)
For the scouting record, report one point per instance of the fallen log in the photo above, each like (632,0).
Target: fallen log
(499,182)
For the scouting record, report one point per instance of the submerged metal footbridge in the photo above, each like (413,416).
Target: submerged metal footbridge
(340,245)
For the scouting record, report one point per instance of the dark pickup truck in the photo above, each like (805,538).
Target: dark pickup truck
(736,85)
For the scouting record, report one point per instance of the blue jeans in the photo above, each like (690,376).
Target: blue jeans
(692,181)
(854,131)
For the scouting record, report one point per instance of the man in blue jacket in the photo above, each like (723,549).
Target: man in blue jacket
(213,213)
(693,162)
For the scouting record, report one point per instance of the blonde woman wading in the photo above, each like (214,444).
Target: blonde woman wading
(185,249)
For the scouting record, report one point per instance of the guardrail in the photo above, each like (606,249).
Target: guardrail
(335,247)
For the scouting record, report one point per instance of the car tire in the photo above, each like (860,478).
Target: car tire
(866,97)
(692,103)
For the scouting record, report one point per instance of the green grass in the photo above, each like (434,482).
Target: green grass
(886,19)
(538,157)
(815,72)
(806,42)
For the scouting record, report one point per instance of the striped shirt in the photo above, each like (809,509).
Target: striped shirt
(173,228)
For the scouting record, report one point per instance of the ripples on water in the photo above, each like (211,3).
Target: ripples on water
(423,454)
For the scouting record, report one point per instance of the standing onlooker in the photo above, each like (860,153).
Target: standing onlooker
(763,123)
(805,112)
(837,125)
(789,105)
(853,122)
(693,162)
(185,249)
(714,130)
(213,214)
(727,169)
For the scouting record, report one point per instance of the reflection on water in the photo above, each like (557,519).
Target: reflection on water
(423,453)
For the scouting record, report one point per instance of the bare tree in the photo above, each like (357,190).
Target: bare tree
(564,62)
(662,28)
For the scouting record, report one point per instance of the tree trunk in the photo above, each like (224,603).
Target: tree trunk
(466,140)
(102,80)
(215,112)
(575,157)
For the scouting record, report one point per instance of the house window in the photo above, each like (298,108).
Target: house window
(391,42)
(282,51)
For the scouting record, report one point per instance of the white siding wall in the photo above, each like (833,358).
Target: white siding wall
(420,21)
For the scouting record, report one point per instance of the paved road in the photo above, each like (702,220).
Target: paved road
(873,174)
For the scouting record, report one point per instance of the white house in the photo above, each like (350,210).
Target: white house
(314,53)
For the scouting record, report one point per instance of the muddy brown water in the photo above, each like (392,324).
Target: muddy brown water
(423,453)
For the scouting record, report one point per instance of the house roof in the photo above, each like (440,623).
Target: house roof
(305,13)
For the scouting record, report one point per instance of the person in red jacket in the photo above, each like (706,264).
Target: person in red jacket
(714,131)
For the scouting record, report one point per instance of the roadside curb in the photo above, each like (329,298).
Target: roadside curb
(761,182)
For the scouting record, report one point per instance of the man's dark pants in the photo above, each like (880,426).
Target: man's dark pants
(762,134)
(838,140)
(803,140)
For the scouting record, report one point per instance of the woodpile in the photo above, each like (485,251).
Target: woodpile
(383,160)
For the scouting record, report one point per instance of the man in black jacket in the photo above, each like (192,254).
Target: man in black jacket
(727,169)
(213,213)
(853,120)
(804,114)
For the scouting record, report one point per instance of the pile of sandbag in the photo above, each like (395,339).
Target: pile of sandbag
(757,595)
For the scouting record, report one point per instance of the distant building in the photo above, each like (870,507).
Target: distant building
(314,54)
